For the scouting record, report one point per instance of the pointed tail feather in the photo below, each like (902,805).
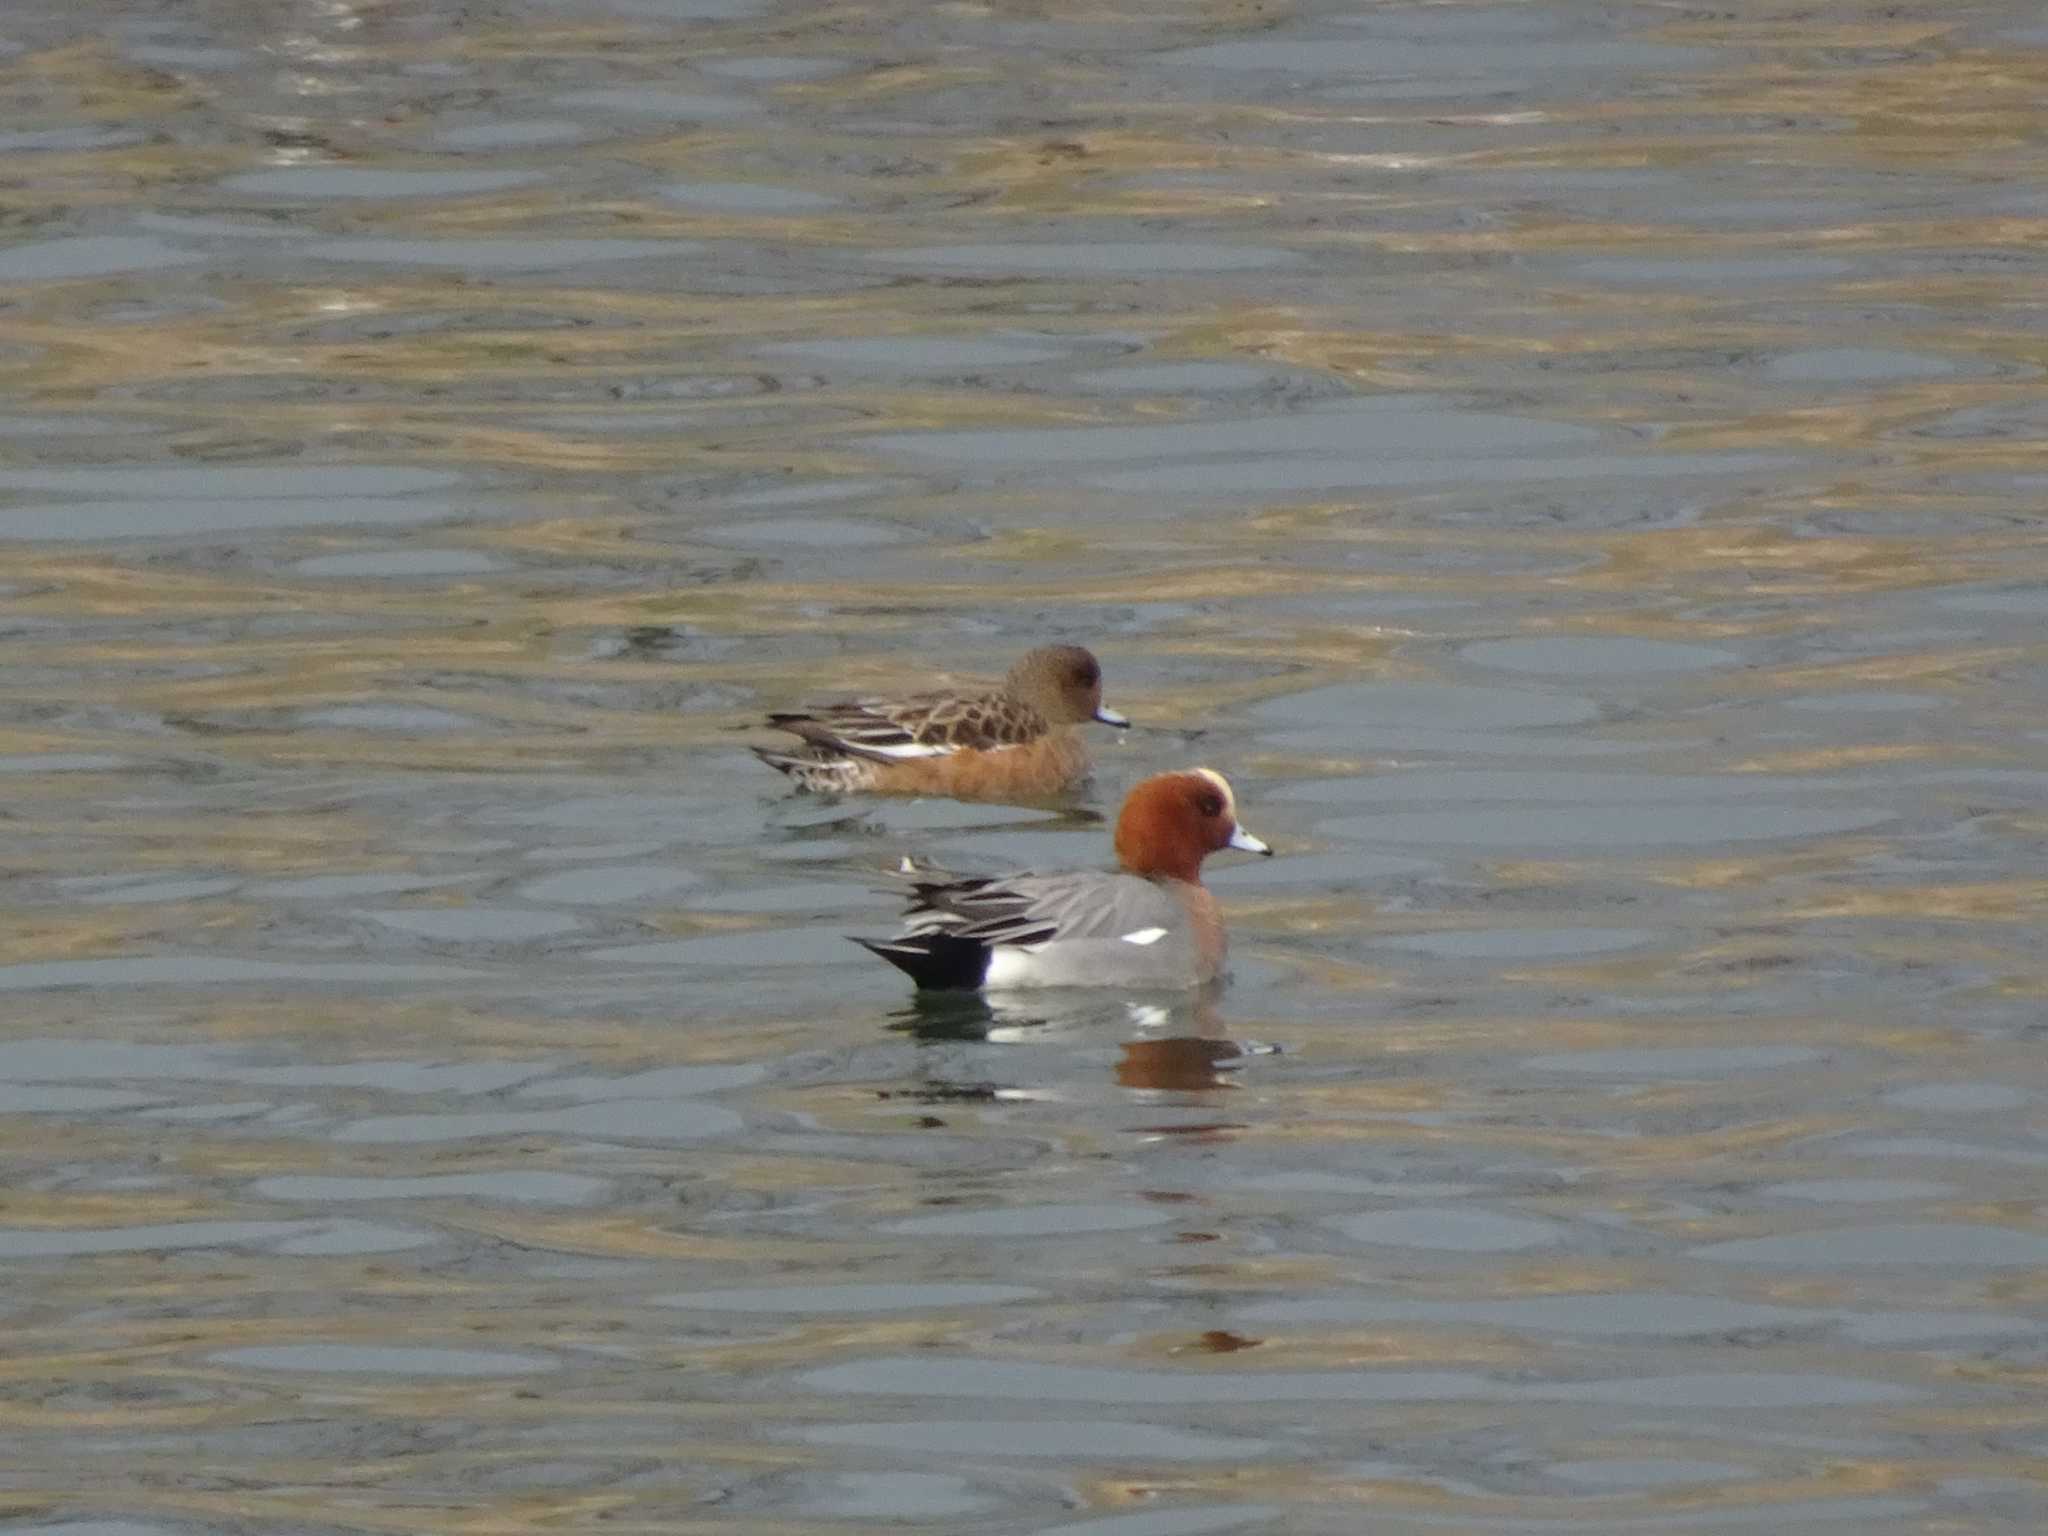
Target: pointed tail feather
(782,762)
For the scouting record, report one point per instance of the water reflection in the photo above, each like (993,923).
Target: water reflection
(1578,474)
(1180,1065)
(1167,1043)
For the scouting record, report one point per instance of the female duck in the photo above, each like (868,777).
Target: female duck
(1017,741)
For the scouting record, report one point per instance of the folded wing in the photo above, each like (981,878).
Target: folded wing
(931,725)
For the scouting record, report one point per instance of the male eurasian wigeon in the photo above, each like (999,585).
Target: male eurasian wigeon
(1152,923)
(1014,741)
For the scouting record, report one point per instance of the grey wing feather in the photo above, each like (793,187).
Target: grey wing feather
(1030,909)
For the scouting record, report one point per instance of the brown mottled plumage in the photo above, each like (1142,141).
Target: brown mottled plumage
(1014,741)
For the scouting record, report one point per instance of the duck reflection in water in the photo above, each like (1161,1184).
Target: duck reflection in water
(1173,1045)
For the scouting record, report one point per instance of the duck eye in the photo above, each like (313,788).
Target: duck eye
(1210,804)
(1086,675)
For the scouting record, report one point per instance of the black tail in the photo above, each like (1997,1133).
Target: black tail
(937,962)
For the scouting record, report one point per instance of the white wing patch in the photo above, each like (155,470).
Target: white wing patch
(910,749)
(904,749)
(1144,936)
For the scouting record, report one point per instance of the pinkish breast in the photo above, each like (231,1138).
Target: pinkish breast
(1205,923)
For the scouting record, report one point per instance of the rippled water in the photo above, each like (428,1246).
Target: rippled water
(1577,467)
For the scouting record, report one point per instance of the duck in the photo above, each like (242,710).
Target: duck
(1150,923)
(1015,741)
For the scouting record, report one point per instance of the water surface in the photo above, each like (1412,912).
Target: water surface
(1578,473)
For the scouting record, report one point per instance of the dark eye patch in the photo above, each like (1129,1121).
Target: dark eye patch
(1209,804)
(1086,675)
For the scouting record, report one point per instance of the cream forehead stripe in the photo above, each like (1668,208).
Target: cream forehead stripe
(1229,799)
